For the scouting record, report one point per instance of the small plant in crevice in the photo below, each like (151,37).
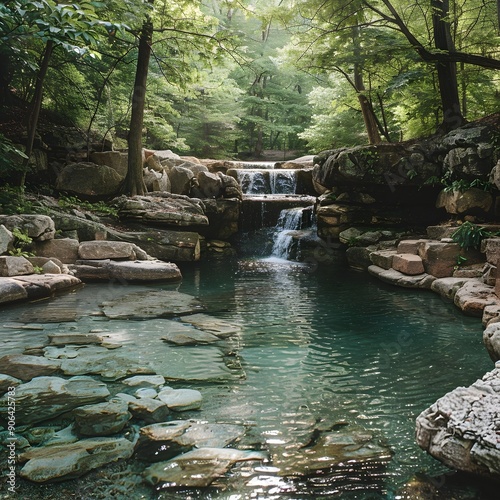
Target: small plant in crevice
(99,207)
(470,235)
(21,244)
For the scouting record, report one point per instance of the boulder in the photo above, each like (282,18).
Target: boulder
(383,258)
(144,381)
(6,239)
(474,296)
(15,266)
(50,267)
(210,185)
(408,263)
(181,180)
(65,249)
(104,249)
(473,201)
(46,397)
(491,246)
(461,428)
(165,155)
(153,162)
(11,290)
(491,340)
(69,461)
(223,217)
(448,287)
(37,227)
(89,179)
(114,159)
(156,181)
(198,468)
(359,257)
(26,367)
(410,246)
(101,419)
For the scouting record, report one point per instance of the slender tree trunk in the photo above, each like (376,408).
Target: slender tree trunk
(366,107)
(447,71)
(134,181)
(36,105)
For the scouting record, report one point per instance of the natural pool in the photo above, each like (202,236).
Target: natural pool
(331,347)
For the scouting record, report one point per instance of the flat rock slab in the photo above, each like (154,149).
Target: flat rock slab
(101,419)
(103,249)
(60,463)
(136,271)
(461,429)
(187,335)
(144,381)
(163,441)
(408,263)
(74,338)
(14,266)
(26,367)
(46,397)
(215,326)
(197,468)
(181,399)
(383,258)
(11,290)
(45,285)
(148,410)
(396,278)
(448,287)
(109,364)
(152,304)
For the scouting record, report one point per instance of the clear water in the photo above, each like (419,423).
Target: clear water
(331,345)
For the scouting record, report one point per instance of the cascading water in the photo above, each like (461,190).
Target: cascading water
(267,181)
(291,220)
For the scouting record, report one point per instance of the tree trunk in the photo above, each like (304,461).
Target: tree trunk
(366,107)
(134,181)
(36,105)
(447,71)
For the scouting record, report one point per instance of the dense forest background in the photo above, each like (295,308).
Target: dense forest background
(234,78)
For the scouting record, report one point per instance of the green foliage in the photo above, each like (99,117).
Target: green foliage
(14,201)
(21,243)
(11,158)
(470,235)
(99,207)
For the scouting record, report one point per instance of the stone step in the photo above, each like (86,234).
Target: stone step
(408,263)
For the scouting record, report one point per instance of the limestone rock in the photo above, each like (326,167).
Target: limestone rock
(407,263)
(491,340)
(97,250)
(474,296)
(89,179)
(473,201)
(27,367)
(461,428)
(38,227)
(180,180)
(50,267)
(448,287)
(11,290)
(14,266)
(101,419)
(114,159)
(44,285)
(383,258)
(166,440)
(151,304)
(60,463)
(65,249)
(396,278)
(198,468)
(6,239)
(110,364)
(210,185)
(146,409)
(181,399)
(46,397)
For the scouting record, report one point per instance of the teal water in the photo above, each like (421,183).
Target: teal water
(333,345)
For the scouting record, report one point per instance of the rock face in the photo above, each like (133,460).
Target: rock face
(473,201)
(461,429)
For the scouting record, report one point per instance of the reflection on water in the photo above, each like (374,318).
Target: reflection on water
(330,349)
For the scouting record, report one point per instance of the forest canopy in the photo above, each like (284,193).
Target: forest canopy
(234,78)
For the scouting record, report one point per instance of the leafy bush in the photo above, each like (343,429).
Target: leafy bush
(469,235)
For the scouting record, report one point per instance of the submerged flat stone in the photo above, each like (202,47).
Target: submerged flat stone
(144,381)
(215,326)
(152,304)
(197,468)
(46,397)
(181,399)
(165,440)
(180,334)
(59,463)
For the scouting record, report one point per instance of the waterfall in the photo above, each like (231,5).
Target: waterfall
(267,181)
(290,221)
